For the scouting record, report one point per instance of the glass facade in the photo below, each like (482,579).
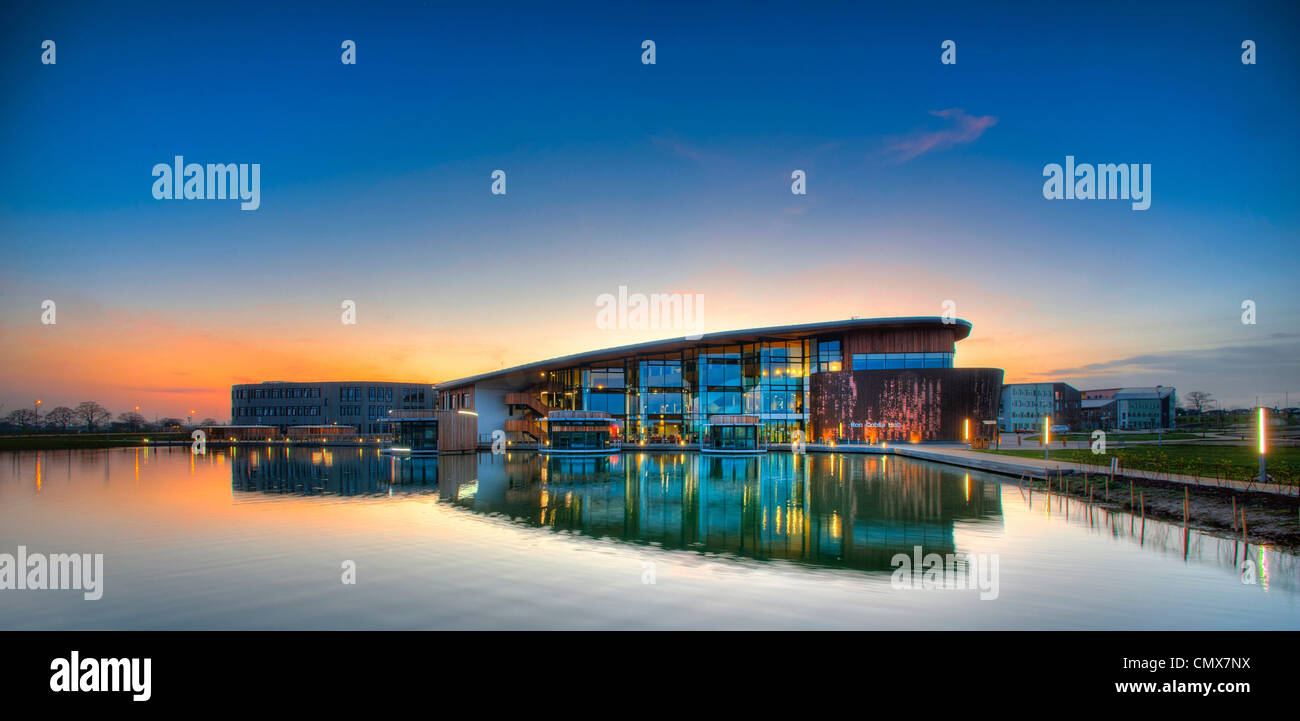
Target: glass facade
(669,397)
(419,436)
(732,438)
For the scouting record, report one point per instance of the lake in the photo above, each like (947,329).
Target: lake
(263,537)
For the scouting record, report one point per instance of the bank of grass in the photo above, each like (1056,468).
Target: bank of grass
(1111,438)
(1237,463)
(45,442)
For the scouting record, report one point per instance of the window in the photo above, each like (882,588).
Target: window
(722,402)
(609,378)
(659,403)
(938,360)
(828,357)
(881,361)
(611,403)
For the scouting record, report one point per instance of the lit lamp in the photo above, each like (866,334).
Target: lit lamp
(1047,434)
(1262,475)
(966,430)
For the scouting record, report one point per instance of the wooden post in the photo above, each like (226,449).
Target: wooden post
(1143,501)
(1234,513)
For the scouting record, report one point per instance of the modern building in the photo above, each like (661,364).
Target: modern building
(1025,405)
(1130,408)
(363,405)
(863,380)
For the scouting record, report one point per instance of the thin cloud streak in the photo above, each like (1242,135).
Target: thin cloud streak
(966,129)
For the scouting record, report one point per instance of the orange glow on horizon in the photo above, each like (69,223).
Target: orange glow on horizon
(160,360)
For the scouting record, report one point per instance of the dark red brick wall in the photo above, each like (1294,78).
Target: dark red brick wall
(916,404)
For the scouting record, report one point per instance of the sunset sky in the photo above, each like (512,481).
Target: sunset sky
(924,185)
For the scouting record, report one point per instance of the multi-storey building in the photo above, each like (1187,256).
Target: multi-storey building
(1025,405)
(363,405)
(1130,408)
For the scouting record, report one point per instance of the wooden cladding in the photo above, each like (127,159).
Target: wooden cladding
(576,415)
(926,339)
(721,420)
(457,432)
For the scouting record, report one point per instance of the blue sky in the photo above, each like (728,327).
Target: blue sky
(673,176)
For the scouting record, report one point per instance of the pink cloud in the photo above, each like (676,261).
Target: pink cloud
(682,149)
(965,129)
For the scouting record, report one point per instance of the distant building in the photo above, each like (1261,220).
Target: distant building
(1024,405)
(362,405)
(1130,408)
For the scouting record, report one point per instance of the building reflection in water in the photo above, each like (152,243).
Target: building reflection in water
(837,511)
(332,471)
(854,512)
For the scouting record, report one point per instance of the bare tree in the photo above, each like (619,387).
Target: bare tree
(134,421)
(24,418)
(1197,401)
(60,418)
(92,414)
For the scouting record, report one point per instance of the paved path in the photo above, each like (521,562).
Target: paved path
(958,454)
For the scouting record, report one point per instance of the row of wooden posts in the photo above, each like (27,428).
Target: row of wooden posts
(1063,486)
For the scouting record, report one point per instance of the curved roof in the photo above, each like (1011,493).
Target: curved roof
(961,329)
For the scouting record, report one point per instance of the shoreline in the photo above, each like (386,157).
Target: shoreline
(1270,520)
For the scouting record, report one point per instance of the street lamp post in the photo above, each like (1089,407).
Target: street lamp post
(1047,435)
(1262,474)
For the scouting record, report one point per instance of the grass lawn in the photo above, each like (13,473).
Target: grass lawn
(83,440)
(1112,436)
(1232,462)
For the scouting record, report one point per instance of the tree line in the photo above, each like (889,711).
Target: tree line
(89,416)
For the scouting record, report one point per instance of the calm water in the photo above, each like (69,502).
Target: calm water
(256,538)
